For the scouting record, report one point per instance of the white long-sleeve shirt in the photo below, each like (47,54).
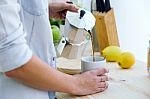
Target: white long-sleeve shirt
(24,30)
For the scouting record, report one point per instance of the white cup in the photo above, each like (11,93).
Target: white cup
(88,64)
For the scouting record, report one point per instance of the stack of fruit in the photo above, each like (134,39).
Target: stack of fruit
(114,54)
(55,26)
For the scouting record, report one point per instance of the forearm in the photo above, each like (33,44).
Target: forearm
(39,75)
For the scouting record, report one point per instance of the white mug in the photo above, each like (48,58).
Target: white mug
(87,63)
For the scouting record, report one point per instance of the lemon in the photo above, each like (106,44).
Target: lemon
(126,60)
(111,53)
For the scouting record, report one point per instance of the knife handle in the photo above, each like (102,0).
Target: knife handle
(103,5)
(100,5)
(107,5)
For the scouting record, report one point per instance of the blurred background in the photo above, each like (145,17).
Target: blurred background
(132,19)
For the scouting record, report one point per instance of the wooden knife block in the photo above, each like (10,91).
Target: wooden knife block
(105,28)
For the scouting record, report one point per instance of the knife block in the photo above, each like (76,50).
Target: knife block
(106,30)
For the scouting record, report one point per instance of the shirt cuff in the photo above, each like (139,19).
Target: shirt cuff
(14,51)
(14,58)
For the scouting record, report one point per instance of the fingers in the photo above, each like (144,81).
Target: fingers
(102,83)
(62,15)
(102,86)
(102,78)
(101,71)
(71,7)
(93,81)
(101,89)
(67,7)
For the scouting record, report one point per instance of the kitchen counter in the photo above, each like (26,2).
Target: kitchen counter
(131,83)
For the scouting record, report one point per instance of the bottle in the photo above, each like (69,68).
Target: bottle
(148,60)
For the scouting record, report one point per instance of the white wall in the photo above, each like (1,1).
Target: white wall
(133,23)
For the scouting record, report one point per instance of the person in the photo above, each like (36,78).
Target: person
(27,54)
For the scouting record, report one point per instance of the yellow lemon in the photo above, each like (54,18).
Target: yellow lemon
(126,60)
(111,53)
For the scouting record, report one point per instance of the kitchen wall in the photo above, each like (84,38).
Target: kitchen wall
(133,24)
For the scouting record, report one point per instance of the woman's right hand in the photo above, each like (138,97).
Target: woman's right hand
(91,82)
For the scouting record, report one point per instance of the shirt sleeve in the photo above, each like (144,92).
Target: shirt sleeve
(14,51)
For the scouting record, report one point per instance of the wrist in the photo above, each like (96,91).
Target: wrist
(75,88)
(69,84)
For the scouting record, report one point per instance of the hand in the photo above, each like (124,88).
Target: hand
(59,10)
(91,82)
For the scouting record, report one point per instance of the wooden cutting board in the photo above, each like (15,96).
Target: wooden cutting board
(69,66)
